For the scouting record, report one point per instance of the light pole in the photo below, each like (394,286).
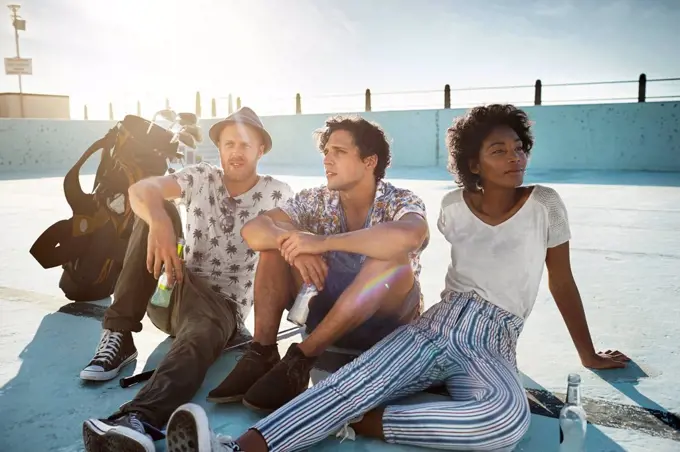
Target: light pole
(19,24)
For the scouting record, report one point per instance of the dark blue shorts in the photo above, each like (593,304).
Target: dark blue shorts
(342,269)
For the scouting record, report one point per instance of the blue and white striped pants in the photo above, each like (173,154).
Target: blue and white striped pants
(462,341)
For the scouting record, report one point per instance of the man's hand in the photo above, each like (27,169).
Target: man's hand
(611,359)
(312,268)
(162,251)
(294,243)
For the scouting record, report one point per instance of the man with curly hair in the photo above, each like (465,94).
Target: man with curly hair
(501,234)
(358,239)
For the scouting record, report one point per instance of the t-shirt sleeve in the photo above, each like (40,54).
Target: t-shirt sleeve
(274,194)
(408,202)
(300,209)
(441,219)
(444,218)
(287,192)
(191,180)
(559,231)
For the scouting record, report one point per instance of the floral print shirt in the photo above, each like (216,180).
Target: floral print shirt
(318,210)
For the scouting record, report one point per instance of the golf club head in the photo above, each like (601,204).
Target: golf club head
(167,114)
(187,119)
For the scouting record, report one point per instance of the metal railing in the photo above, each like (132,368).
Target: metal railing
(447,98)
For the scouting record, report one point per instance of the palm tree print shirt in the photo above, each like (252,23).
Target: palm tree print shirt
(318,210)
(214,247)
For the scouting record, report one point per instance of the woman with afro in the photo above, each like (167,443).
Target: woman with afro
(501,234)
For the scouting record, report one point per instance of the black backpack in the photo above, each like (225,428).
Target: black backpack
(90,246)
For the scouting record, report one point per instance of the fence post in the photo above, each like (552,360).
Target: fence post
(198,104)
(298,104)
(447,96)
(230,106)
(238,103)
(368,100)
(85,112)
(642,88)
(111,111)
(213,107)
(537,92)
(139,108)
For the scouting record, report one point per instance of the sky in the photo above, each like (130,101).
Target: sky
(266,51)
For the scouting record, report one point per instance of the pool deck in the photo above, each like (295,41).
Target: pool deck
(625,257)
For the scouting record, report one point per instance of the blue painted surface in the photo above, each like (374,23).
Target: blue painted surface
(625,256)
(636,137)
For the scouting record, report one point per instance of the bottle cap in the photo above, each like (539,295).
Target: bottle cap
(574,379)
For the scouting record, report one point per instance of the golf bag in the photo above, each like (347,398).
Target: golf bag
(90,246)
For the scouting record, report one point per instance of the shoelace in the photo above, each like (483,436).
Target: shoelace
(348,432)
(297,366)
(136,423)
(295,369)
(223,443)
(109,346)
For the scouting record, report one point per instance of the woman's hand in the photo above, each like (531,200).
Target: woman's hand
(611,359)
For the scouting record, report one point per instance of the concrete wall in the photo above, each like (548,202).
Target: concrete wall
(635,136)
(641,137)
(42,106)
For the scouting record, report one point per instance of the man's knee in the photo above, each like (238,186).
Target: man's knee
(203,338)
(271,258)
(396,275)
(371,264)
(395,284)
(173,214)
(274,275)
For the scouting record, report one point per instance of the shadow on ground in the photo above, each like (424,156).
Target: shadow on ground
(44,405)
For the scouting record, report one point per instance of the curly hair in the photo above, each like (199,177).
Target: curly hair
(368,136)
(464,138)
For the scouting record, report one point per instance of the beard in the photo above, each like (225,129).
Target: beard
(238,171)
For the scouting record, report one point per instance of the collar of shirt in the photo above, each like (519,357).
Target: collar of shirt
(380,190)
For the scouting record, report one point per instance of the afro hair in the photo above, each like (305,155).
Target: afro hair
(464,138)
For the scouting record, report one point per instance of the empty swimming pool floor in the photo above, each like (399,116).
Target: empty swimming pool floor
(625,256)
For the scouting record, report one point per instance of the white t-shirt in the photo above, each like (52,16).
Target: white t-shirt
(503,264)
(214,247)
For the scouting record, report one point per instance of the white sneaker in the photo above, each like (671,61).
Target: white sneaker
(189,431)
(124,433)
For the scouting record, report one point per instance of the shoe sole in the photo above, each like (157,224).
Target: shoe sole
(90,375)
(97,439)
(229,399)
(257,409)
(188,430)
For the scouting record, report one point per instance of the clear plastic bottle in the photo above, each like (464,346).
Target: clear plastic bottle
(161,297)
(573,419)
(300,310)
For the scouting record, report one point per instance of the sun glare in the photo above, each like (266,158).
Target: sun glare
(170,49)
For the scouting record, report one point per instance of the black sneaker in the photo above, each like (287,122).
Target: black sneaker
(189,431)
(124,433)
(115,350)
(255,362)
